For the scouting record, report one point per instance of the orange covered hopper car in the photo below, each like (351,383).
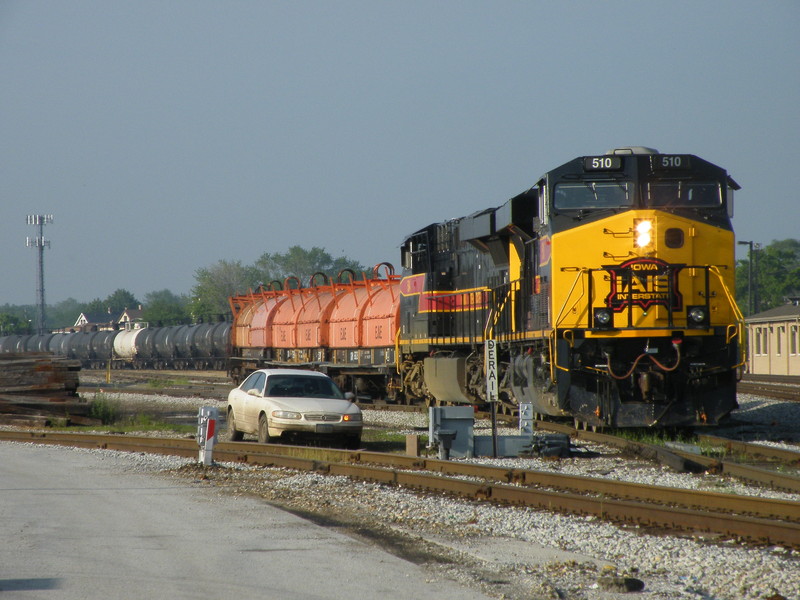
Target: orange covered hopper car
(345,328)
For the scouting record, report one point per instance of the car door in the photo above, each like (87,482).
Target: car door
(249,403)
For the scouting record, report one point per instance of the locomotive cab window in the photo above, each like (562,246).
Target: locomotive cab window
(683,194)
(592,194)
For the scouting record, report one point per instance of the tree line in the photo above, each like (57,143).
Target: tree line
(775,276)
(207,300)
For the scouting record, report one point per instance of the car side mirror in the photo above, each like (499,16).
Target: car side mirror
(350,396)
(254,392)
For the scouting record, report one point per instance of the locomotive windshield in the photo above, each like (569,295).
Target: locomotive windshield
(592,194)
(684,194)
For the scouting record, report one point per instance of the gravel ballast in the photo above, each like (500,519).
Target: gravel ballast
(510,552)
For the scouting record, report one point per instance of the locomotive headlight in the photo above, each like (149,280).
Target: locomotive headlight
(603,318)
(697,317)
(643,233)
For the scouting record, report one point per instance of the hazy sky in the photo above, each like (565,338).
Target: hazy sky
(166,135)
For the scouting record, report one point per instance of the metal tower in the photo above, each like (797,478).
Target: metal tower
(40,243)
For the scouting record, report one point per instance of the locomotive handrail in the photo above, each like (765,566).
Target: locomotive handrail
(397,357)
(740,323)
(493,315)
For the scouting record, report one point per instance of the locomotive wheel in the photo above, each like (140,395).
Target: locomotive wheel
(233,435)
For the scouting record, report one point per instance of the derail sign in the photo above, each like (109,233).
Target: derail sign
(491,370)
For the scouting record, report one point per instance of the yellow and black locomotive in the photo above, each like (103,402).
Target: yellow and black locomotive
(608,289)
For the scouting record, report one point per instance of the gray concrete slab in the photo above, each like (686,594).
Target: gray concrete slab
(73,525)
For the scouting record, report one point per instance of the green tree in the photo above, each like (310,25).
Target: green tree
(11,324)
(215,284)
(64,313)
(165,308)
(120,300)
(95,307)
(776,275)
(19,317)
(113,305)
(302,264)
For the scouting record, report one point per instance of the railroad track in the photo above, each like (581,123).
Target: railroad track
(769,390)
(212,385)
(757,520)
(195,390)
(682,460)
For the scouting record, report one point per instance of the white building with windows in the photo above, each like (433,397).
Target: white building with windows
(774,341)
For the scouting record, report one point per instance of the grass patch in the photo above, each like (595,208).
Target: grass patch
(656,437)
(106,410)
(111,415)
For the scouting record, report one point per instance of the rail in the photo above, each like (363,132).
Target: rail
(758,520)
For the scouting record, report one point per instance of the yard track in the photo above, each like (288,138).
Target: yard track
(757,520)
(683,460)
(780,387)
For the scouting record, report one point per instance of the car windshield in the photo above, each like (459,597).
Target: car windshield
(302,386)
(691,194)
(592,194)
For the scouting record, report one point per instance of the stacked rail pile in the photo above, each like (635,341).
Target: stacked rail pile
(38,387)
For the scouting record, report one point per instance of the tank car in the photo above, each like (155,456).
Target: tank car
(199,346)
(608,288)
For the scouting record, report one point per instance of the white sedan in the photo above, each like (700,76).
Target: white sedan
(285,403)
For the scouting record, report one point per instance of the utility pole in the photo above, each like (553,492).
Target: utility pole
(749,276)
(756,274)
(40,243)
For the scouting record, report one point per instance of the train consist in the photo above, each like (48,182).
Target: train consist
(201,346)
(607,290)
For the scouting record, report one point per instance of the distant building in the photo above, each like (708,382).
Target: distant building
(774,341)
(95,322)
(131,318)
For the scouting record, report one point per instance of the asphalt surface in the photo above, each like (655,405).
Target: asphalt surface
(79,525)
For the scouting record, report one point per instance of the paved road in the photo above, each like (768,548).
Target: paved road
(77,525)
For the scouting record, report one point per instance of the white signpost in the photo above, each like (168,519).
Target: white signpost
(491,370)
(490,360)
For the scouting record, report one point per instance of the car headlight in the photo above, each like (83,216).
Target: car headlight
(644,233)
(351,418)
(287,414)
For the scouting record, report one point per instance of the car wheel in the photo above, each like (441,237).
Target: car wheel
(263,429)
(233,434)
